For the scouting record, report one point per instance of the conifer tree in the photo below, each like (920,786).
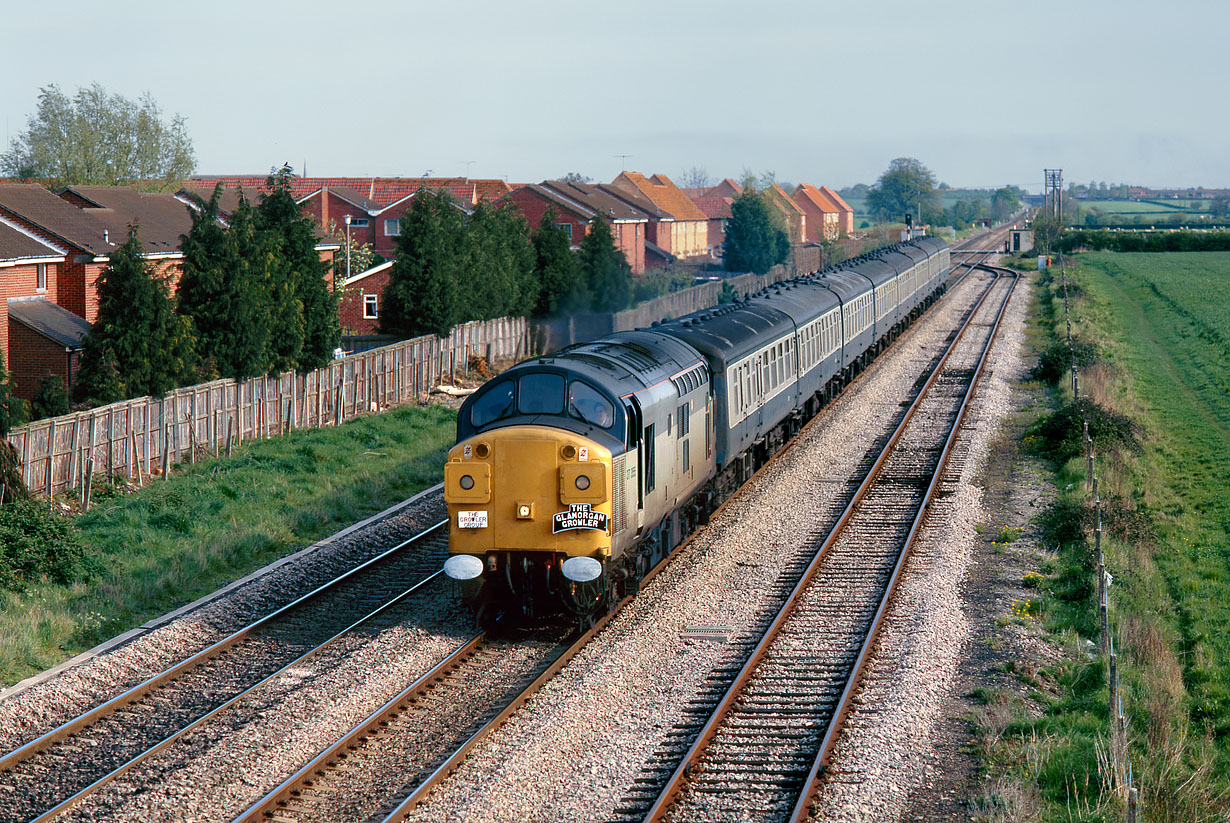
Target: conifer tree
(753,243)
(138,345)
(10,406)
(500,278)
(562,288)
(304,304)
(424,291)
(10,414)
(607,273)
(222,292)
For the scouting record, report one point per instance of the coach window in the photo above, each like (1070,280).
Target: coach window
(540,394)
(493,404)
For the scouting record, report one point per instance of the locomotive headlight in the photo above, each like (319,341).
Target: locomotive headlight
(466,482)
(582,482)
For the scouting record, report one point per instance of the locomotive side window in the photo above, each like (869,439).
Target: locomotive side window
(541,394)
(650,462)
(495,403)
(585,403)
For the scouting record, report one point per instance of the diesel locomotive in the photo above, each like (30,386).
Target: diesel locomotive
(575,473)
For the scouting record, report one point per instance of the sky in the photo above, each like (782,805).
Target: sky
(983,93)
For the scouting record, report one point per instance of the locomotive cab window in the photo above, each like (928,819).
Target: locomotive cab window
(493,404)
(540,394)
(587,405)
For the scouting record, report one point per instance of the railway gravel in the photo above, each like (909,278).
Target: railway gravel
(40,707)
(589,735)
(888,746)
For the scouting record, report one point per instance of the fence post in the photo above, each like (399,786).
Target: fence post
(51,452)
(70,479)
(1131,805)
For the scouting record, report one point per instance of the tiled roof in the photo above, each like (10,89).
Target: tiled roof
(160,218)
(664,194)
(595,199)
(836,198)
(779,196)
(38,207)
(49,320)
(726,188)
(714,207)
(635,198)
(18,244)
(816,199)
(383,191)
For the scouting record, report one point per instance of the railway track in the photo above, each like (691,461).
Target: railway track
(47,776)
(341,781)
(758,751)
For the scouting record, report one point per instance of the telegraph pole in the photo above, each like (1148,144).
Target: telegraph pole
(1054,188)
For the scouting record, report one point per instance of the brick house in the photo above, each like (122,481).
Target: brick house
(676,225)
(358,306)
(46,339)
(845,226)
(575,205)
(823,216)
(793,218)
(29,270)
(375,204)
(717,211)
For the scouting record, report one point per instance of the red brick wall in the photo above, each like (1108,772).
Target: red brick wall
(33,358)
(533,206)
(630,239)
(350,305)
(22,281)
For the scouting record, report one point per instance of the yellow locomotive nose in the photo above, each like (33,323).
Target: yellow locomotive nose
(534,490)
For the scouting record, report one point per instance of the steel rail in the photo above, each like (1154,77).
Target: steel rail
(370,726)
(844,704)
(675,783)
(287,789)
(143,689)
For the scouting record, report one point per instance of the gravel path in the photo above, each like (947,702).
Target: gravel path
(574,750)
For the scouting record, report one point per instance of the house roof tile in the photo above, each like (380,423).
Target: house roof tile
(596,199)
(49,320)
(836,198)
(714,207)
(161,218)
(33,204)
(664,194)
(18,244)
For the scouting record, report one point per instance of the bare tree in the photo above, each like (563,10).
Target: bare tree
(696,177)
(576,177)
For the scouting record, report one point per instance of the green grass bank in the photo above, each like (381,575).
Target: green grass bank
(209,523)
(1161,377)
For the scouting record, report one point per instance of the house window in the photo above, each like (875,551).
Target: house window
(358,222)
(392,227)
(370,305)
(566,228)
(42,276)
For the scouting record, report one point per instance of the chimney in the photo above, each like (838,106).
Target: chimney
(324,207)
(106,237)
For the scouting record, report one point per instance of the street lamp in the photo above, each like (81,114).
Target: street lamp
(347,219)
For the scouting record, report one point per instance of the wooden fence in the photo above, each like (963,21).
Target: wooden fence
(142,437)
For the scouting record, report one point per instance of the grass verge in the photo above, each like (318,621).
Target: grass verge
(1160,382)
(209,523)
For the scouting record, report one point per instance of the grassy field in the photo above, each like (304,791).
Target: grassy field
(1164,363)
(213,522)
